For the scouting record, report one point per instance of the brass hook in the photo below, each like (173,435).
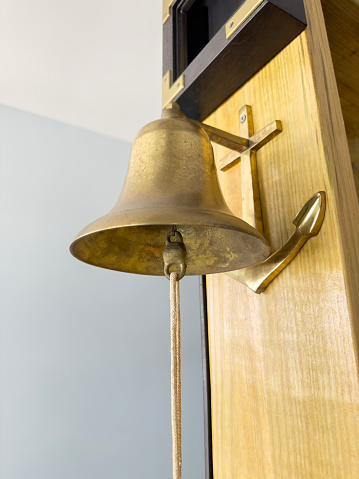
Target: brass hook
(308,223)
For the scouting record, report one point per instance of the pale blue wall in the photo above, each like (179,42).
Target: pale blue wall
(85,366)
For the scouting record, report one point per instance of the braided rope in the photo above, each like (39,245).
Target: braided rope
(176,376)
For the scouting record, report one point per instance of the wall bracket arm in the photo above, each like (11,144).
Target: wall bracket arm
(308,221)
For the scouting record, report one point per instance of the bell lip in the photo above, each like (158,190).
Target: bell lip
(175,217)
(215,220)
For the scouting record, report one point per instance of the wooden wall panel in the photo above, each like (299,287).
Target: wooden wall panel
(284,373)
(342,25)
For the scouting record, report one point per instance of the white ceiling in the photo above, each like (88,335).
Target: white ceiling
(90,63)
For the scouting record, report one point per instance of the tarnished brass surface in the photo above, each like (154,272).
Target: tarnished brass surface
(169,92)
(241,16)
(251,204)
(236,143)
(171,180)
(308,223)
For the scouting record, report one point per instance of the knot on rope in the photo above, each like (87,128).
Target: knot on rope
(175,255)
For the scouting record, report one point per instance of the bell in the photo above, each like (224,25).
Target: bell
(171,182)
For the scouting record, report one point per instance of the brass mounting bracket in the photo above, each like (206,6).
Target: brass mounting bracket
(307,222)
(169,92)
(241,16)
(166,9)
(251,204)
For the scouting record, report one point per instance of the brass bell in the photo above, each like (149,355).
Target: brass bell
(171,180)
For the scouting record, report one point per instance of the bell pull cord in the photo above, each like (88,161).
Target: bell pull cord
(174,255)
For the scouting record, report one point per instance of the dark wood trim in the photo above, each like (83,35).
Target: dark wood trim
(206,382)
(222,66)
(168,45)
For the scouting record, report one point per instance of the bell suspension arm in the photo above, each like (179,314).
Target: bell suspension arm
(223,138)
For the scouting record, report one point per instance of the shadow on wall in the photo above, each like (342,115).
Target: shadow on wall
(85,367)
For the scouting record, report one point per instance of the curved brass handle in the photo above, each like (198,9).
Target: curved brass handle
(308,223)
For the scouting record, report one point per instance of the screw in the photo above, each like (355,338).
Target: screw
(243,118)
(231,24)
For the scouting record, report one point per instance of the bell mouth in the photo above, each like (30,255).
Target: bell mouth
(133,241)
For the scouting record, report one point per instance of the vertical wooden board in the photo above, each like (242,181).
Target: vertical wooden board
(342,26)
(284,376)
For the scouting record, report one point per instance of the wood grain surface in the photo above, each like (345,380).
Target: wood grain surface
(271,26)
(284,364)
(342,25)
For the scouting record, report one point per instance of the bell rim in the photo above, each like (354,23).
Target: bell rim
(233,225)
(176,216)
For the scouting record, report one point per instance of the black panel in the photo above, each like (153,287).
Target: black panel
(220,11)
(294,8)
(196,23)
(197,29)
(222,65)
(168,46)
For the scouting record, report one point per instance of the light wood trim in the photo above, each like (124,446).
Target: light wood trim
(284,364)
(342,24)
(337,152)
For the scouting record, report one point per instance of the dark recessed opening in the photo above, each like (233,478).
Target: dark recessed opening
(196,23)
(197,29)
